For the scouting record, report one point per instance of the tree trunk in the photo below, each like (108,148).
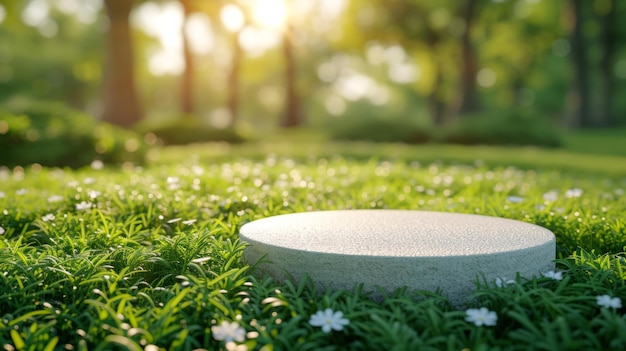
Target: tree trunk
(437,105)
(233,80)
(468,99)
(292,116)
(121,104)
(187,90)
(435,101)
(607,83)
(581,94)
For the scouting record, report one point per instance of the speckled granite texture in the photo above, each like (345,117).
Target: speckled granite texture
(394,248)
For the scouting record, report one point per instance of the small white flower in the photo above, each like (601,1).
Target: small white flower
(2,194)
(553,275)
(97,165)
(228,331)
(575,192)
(514,199)
(551,196)
(83,205)
(1,231)
(48,217)
(21,191)
(232,346)
(94,194)
(328,320)
(500,282)
(481,316)
(89,180)
(55,198)
(608,301)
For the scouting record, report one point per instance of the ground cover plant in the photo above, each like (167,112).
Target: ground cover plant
(148,258)
(48,134)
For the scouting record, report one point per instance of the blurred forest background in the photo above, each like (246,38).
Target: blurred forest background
(178,71)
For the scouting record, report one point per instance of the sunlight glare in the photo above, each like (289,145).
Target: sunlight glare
(255,41)
(84,11)
(270,14)
(35,12)
(232,18)
(200,34)
(3,13)
(486,77)
(163,22)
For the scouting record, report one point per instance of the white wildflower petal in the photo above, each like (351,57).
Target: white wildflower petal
(329,320)
(481,316)
(501,282)
(575,192)
(1,231)
(55,198)
(609,302)
(228,331)
(553,275)
(97,164)
(89,180)
(551,196)
(83,205)
(515,199)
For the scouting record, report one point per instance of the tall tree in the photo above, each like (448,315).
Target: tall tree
(187,84)
(233,79)
(292,117)
(580,97)
(608,39)
(468,97)
(436,102)
(121,103)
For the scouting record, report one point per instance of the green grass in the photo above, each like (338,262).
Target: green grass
(149,258)
(601,141)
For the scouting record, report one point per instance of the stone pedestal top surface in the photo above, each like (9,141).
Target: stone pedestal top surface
(397,233)
(421,250)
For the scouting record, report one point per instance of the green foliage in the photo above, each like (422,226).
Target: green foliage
(51,134)
(490,128)
(62,67)
(190,130)
(380,130)
(366,122)
(597,141)
(149,257)
(510,127)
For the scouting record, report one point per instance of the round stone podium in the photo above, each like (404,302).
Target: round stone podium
(422,250)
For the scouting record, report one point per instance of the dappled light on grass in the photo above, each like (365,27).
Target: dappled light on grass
(149,256)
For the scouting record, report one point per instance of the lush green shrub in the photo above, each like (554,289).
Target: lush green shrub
(380,130)
(188,131)
(367,122)
(502,128)
(486,128)
(55,135)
